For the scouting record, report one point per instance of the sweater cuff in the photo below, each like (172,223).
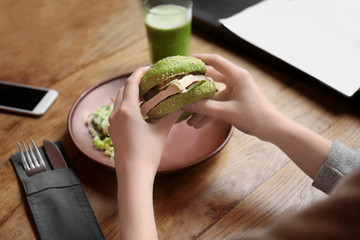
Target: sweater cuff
(341,160)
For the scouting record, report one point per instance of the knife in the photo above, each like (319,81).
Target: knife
(54,155)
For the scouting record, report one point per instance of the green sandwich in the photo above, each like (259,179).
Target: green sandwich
(173,83)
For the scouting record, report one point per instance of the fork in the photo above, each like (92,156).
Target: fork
(32,164)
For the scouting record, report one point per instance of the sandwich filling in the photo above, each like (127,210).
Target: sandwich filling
(174,87)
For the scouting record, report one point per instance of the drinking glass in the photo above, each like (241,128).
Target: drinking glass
(168,27)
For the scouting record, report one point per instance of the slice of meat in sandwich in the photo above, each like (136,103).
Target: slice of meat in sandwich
(174,87)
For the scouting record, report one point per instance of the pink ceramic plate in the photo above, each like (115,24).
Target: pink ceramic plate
(185,145)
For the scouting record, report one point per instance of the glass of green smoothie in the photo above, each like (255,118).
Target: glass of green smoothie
(168,27)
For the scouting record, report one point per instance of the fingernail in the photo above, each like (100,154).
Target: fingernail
(189,107)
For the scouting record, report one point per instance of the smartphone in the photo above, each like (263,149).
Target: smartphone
(25,99)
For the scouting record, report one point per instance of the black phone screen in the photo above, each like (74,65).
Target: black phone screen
(20,97)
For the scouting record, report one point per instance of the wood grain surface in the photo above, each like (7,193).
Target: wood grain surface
(72,45)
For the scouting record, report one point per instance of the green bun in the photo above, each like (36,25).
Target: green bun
(169,68)
(205,90)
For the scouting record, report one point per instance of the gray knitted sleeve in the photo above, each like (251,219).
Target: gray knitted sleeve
(340,161)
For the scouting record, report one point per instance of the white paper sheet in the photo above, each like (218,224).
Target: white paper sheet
(319,37)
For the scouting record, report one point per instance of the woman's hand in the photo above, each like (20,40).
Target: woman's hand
(241,103)
(245,107)
(137,144)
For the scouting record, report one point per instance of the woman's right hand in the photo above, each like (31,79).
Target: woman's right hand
(241,103)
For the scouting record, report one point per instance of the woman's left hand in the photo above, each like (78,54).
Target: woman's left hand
(137,143)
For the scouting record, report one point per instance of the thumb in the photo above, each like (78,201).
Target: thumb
(206,107)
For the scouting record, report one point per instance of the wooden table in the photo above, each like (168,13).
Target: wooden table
(71,45)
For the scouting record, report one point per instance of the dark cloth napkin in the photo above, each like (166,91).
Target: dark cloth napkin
(58,202)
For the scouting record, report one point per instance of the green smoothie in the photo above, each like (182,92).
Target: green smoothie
(169,30)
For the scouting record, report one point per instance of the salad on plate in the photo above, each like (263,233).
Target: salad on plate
(99,129)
